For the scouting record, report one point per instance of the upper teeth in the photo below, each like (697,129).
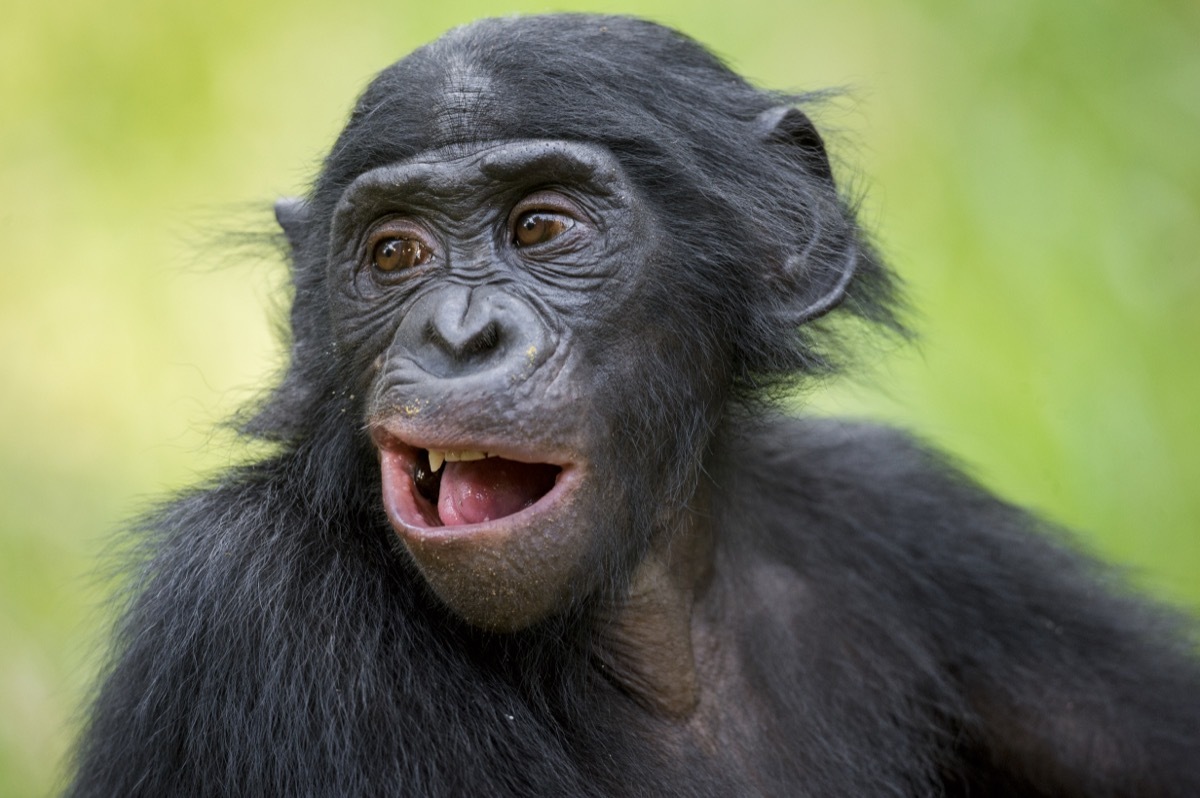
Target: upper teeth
(436,458)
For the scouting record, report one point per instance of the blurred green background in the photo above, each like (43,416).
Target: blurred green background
(1032,168)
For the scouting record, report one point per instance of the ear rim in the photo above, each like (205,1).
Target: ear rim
(788,125)
(835,295)
(293,215)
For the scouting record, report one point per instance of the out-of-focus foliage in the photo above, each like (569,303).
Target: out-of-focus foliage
(1032,168)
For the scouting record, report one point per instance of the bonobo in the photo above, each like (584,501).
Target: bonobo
(534,523)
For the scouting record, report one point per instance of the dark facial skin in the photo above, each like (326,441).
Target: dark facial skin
(464,287)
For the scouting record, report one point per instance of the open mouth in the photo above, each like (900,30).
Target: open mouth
(426,488)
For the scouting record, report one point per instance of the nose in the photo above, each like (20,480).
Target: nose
(461,331)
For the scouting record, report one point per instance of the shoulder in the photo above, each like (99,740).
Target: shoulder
(848,488)
(833,454)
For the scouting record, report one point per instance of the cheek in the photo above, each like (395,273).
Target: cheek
(362,337)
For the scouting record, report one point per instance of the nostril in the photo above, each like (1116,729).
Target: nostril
(461,341)
(483,341)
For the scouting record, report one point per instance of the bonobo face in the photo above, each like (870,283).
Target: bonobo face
(481,289)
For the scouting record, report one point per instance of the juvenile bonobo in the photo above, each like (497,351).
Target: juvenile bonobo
(534,525)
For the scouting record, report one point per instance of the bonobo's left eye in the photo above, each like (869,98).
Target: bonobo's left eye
(541,217)
(538,227)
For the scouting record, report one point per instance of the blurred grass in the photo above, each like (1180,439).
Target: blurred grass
(1031,168)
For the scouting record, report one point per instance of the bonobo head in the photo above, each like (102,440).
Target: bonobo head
(542,263)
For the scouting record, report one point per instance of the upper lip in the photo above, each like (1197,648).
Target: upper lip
(386,436)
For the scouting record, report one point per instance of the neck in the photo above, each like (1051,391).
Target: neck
(644,639)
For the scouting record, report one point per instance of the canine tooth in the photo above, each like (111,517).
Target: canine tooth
(435,460)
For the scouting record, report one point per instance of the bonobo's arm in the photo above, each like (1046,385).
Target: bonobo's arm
(1062,685)
(1075,689)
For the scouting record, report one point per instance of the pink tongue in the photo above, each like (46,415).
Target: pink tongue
(484,490)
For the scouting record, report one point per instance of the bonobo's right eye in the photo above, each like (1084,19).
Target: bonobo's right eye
(397,245)
(393,254)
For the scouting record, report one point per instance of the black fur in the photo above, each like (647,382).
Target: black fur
(892,628)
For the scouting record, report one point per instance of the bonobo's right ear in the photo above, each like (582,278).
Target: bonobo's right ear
(290,411)
(787,125)
(293,214)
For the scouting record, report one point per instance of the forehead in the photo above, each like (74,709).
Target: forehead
(465,99)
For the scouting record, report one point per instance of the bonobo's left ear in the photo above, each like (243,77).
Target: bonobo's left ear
(826,264)
(787,125)
(293,215)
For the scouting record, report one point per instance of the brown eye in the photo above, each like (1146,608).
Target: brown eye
(393,254)
(538,227)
